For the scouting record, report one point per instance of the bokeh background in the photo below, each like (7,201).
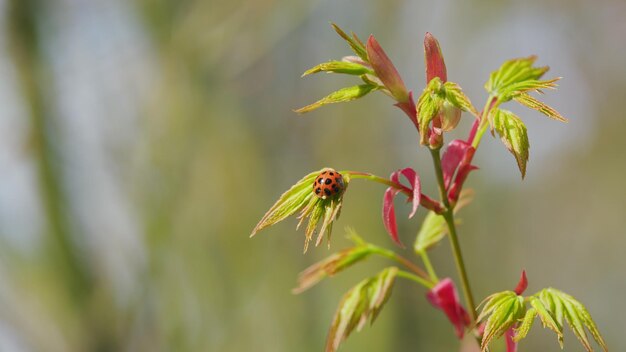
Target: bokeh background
(140,141)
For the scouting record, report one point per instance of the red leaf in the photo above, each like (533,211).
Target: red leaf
(452,158)
(389,215)
(435,66)
(461,175)
(522,284)
(416,185)
(385,70)
(511,346)
(445,297)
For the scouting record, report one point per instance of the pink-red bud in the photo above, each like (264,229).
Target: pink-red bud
(435,66)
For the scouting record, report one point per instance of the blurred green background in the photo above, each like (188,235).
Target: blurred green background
(140,141)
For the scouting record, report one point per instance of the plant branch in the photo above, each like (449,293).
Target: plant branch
(429,266)
(407,263)
(407,275)
(425,200)
(448,215)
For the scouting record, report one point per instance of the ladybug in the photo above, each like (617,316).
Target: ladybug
(328,183)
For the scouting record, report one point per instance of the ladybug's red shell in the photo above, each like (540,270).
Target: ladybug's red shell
(328,183)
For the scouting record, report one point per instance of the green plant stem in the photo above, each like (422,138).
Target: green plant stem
(384,181)
(484,121)
(407,263)
(448,215)
(429,267)
(407,275)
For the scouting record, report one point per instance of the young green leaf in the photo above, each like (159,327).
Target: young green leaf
(547,319)
(561,306)
(526,324)
(456,97)
(512,72)
(331,266)
(340,96)
(362,303)
(301,198)
(502,310)
(345,67)
(535,104)
(289,203)
(433,229)
(354,42)
(513,134)
(429,105)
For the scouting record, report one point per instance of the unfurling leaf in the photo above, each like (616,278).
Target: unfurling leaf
(429,105)
(386,71)
(445,297)
(456,97)
(330,266)
(339,67)
(535,104)
(354,42)
(301,198)
(513,134)
(340,96)
(526,324)
(501,311)
(362,303)
(289,202)
(560,305)
(389,213)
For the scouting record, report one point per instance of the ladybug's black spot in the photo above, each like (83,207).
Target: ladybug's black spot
(318,190)
(335,187)
(332,174)
(327,191)
(328,181)
(319,180)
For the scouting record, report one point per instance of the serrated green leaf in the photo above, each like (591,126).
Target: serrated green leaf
(535,104)
(517,76)
(512,72)
(340,96)
(516,89)
(513,134)
(526,324)
(289,202)
(433,229)
(381,291)
(354,42)
(429,105)
(571,315)
(330,266)
(362,303)
(349,68)
(547,319)
(501,312)
(455,96)
(577,316)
